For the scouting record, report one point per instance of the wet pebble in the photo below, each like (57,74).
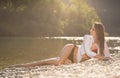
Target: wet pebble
(89,69)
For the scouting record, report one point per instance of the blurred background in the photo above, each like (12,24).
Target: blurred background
(109,13)
(30,18)
(31,30)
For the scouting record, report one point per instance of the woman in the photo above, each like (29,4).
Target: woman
(93,46)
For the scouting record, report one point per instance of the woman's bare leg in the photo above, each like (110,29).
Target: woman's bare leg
(54,61)
(66,51)
(50,61)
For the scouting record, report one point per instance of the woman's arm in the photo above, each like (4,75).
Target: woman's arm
(101,57)
(87,42)
(106,53)
(91,54)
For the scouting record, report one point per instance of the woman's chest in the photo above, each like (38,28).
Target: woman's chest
(94,47)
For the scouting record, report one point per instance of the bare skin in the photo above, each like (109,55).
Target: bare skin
(63,59)
(55,61)
(66,51)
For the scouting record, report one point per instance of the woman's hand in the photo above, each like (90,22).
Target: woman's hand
(102,58)
(106,58)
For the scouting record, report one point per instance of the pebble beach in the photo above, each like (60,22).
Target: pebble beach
(92,68)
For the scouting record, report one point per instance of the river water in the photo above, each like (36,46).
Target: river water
(18,50)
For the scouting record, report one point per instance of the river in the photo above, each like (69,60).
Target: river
(19,50)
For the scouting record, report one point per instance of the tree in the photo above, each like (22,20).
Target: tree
(45,17)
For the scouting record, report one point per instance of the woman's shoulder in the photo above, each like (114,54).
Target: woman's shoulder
(87,35)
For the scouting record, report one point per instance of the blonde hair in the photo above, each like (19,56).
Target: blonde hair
(99,28)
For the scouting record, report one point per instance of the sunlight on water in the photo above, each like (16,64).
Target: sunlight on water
(112,38)
(17,50)
(80,38)
(67,38)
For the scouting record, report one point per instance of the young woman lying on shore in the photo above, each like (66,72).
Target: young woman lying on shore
(93,46)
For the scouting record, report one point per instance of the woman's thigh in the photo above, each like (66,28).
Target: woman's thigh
(66,52)
(66,49)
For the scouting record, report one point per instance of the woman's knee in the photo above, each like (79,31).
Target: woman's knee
(69,45)
(67,48)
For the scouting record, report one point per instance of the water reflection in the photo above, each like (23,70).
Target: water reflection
(17,50)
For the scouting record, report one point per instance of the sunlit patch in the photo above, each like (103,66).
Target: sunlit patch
(89,69)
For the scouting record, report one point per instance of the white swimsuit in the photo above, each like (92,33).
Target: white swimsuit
(86,48)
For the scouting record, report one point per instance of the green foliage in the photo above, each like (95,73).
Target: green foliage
(45,17)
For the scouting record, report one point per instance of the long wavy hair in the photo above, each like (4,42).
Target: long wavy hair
(99,28)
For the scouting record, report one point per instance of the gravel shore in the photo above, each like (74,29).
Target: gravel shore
(89,69)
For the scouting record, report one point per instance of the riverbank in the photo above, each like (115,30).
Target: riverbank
(89,69)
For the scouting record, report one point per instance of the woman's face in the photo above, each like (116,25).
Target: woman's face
(92,31)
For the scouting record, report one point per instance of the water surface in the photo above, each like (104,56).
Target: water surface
(17,50)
